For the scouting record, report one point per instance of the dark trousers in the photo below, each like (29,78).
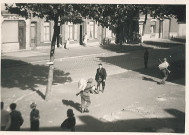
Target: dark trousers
(98,85)
(35,125)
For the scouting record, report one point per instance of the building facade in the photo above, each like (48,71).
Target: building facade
(21,34)
(17,33)
(157,28)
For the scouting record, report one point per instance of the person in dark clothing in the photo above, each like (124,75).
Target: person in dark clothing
(146,54)
(16,118)
(34,118)
(70,122)
(100,77)
(85,96)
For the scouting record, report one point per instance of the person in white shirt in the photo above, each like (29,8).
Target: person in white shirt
(164,69)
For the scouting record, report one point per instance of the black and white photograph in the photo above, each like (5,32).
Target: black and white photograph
(93,67)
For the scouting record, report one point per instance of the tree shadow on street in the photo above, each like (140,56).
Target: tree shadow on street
(133,47)
(134,61)
(163,44)
(26,76)
(121,49)
(72,104)
(173,124)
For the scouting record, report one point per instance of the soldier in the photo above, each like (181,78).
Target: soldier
(34,117)
(164,69)
(100,77)
(85,96)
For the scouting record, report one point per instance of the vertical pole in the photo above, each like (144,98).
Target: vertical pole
(51,66)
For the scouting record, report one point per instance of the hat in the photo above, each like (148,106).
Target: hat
(90,80)
(33,105)
(70,113)
(100,64)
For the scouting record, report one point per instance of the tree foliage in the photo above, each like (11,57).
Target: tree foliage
(47,11)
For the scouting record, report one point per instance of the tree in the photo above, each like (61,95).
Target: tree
(59,13)
(119,17)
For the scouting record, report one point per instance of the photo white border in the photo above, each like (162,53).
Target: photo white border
(173,2)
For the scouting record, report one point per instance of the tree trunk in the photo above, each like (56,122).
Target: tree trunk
(51,65)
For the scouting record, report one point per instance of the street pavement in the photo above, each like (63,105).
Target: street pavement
(132,102)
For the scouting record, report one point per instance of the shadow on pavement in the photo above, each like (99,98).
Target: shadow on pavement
(132,47)
(121,49)
(135,62)
(148,79)
(163,44)
(173,124)
(72,104)
(16,73)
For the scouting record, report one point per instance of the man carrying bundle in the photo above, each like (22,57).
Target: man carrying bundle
(86,89)
(164,69)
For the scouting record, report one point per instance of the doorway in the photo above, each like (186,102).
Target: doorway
(22,34)
(81,35)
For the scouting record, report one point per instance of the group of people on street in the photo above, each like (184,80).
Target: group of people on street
(13,121)
(100,78)
(163,66)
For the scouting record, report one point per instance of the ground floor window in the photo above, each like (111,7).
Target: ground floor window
(46,32)
(10,31)
(108,33)
(91,30)
(72,31)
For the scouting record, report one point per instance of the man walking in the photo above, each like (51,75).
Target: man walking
(16,118)
(5,118)
(164,69)
(146,58)
(100,77)
(85,96)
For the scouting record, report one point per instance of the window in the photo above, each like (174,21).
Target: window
(46,32)
(91,30)
(108,33)
(9,31)
(33,32)
(152,27)
(70,32)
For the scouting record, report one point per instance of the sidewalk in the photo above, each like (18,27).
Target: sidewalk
(78,50)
